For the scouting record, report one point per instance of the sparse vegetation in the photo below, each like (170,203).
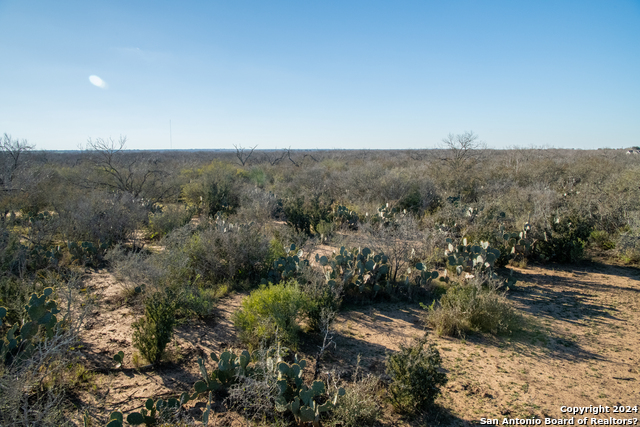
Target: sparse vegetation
(297,240)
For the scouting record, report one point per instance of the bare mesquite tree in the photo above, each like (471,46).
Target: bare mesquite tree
(126,172)
(11,156)
(463,152)
(464,149)
(273,158)
(242,154)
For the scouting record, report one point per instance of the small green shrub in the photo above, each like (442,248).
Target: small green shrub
(276,250)
(258,177)
(322,297)
(152,333)
(199,301)
(416,376)
(268,311)
(325,229)
(600,238)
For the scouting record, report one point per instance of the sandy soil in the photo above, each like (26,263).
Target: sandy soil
(578,348)
(109,331)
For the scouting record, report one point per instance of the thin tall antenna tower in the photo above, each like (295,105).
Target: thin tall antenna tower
(170,137)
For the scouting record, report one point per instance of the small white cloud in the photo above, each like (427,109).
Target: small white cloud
(97,81)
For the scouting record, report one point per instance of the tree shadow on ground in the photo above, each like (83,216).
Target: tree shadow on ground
(440,416)
(628,271)
(549,276)
(576,299)
(569,305)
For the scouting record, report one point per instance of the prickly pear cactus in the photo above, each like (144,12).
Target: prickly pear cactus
(229,368)
(425,277)
(289,266)
(19,342)
(386,214)
(299,398)
(359,270)
(518,243)
(86,253)
(344,216)
(471,258)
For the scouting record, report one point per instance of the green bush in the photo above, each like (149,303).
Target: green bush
(416,376)
(323,298)
(258,177)
(421,198)
(601,239)
(152,333)
(199,301)
(221,197)
(271,312)
(472,307)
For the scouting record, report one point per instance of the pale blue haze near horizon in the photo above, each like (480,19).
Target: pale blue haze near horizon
(330,74)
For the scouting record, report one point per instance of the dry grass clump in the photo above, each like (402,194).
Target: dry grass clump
(471,307)
(360,406)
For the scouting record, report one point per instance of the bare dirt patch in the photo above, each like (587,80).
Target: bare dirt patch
(578,347)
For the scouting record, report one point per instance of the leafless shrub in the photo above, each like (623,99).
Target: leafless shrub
(132,173)
(242,154)
(399,241)
(258,206)
(255,395)
(227,251)
(12,154)
(133,269)
(100,217)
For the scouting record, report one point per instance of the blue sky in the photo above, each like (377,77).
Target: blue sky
(321,74)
